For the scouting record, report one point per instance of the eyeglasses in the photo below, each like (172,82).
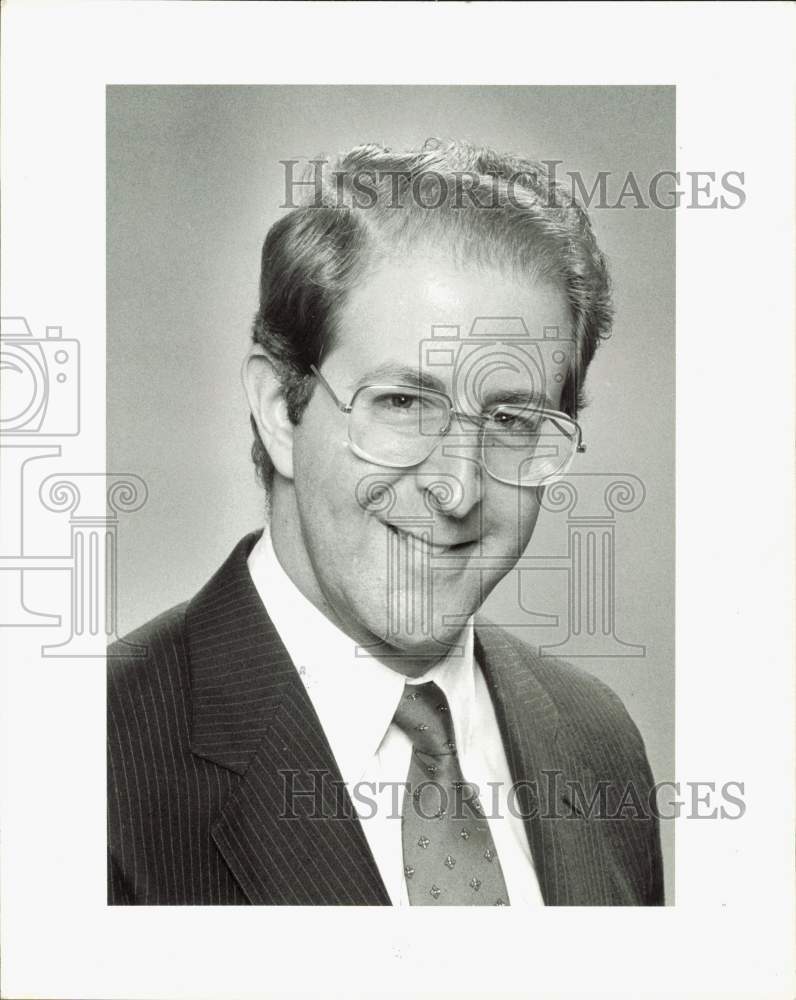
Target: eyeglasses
(399,426)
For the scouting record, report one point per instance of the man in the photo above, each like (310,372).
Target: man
(326,722)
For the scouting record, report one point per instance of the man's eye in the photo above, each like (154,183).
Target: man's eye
(523,420)
(401,401)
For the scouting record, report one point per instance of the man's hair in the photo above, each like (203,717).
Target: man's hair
(373,204)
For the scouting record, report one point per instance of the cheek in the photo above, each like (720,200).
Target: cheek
(510,516)
(319,457)
(528,524)
(336,491)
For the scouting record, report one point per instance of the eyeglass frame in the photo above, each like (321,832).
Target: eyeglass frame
(347,408)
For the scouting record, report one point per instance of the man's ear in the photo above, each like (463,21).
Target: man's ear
(269,408)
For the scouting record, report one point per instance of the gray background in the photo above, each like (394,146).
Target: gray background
(194,182)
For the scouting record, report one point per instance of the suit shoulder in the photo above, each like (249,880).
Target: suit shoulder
(586,705)
(148,690)
(153,646)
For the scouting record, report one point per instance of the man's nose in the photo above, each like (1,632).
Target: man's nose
(451,478)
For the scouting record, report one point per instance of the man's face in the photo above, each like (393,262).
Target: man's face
(360,554)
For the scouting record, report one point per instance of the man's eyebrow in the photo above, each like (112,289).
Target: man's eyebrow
(396,373)
(517,397)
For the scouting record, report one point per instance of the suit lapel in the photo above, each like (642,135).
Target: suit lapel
(289,832)
(574,862)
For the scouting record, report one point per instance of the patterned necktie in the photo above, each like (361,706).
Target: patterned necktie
(449,855)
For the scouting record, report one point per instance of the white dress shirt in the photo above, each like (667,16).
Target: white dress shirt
(373,754)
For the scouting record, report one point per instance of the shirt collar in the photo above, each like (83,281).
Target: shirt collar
(354,696)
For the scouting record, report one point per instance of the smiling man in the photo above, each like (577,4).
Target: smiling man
(328,721)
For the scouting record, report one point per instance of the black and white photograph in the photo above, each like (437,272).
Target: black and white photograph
(424,321)
(376,528)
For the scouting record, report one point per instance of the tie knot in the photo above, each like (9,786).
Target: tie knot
(424,715)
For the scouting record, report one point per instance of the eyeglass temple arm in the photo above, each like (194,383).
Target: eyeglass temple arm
(343,407)
(581,446)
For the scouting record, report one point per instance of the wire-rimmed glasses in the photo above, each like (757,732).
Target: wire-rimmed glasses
(399,426)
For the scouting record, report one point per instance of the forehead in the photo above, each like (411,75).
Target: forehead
(452,324)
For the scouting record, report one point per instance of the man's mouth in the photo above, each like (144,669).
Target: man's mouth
(436,547)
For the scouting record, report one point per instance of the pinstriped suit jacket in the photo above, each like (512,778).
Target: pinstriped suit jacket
(209,724)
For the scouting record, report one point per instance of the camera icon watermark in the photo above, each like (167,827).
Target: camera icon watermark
(491,347)
(39,402)
(39,381)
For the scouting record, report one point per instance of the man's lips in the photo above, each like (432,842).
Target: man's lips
(438,547)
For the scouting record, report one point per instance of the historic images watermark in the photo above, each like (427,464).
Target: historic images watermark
(310,183)
(318,794)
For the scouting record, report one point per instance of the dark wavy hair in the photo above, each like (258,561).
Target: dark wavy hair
(373,204)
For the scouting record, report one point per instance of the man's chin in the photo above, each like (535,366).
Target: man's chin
(412,633)
(428,649)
